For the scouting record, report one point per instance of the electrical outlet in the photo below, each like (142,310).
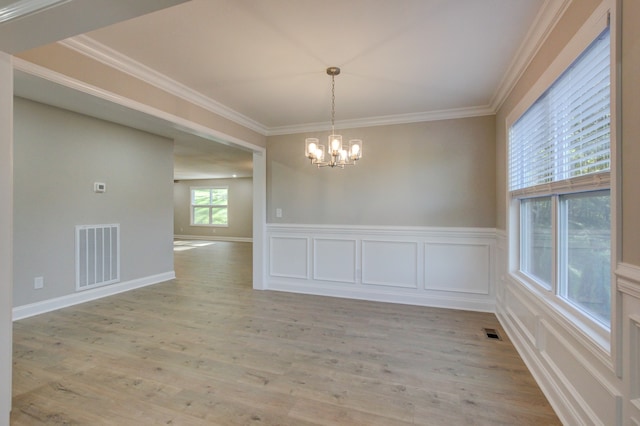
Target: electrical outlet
(278,212)
(38,283)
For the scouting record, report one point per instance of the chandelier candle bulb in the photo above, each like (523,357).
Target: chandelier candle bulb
(311,147)
(355,149)
(335,143)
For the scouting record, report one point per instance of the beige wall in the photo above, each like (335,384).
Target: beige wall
(240,208)
(630,164)
(75,65)
(58,156)
(437,173)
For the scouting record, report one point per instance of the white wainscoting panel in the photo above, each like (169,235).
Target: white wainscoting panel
(442,271)
(580,387)
(577,373)
(571,369)
(524,316)
(634,367)
(334,260)
(628,286)
(290,257)
(390,263)
(387,264)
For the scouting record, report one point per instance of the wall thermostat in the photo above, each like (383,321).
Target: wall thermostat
(99,187)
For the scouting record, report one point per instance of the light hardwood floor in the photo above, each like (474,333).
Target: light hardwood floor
(207,349)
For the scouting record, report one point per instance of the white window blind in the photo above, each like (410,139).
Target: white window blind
(566,132)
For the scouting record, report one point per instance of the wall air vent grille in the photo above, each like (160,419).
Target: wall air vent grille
(97,255)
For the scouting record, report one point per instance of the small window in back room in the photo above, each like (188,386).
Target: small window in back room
(210,206)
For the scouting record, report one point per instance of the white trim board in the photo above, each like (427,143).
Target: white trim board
(213,238)
(546,20)
(37,308)
(429,300)
(21,8)
(89,47)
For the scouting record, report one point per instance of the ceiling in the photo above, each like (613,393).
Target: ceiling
(262,62)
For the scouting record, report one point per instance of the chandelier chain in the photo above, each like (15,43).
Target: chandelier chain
(333,104)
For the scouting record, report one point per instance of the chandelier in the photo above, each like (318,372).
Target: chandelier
(337,154)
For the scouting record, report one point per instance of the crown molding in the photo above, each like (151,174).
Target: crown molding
(387,120)
(114,59)
(179,123)
(544,22)
(25,7)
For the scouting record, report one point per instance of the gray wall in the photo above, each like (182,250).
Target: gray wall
(58,157)
(438,173)
(240,208)
(6,227)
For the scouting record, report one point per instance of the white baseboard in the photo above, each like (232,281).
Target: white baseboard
(410,298)
(32,309)
(213,238)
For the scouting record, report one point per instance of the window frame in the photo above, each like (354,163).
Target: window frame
(562,273)
(574,319)
(192,206)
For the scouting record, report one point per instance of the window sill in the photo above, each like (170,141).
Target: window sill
(588,332)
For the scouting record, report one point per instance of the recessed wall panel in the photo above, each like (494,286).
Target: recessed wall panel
(289,257)
(634,358)
(334,260)
(524,316)
(568,364)
(390,263)
(460,268)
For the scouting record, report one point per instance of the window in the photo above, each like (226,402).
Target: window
(535,239)
(585,244)
(559,163)
(209,206)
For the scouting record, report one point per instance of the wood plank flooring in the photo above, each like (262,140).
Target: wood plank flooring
(205,349)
